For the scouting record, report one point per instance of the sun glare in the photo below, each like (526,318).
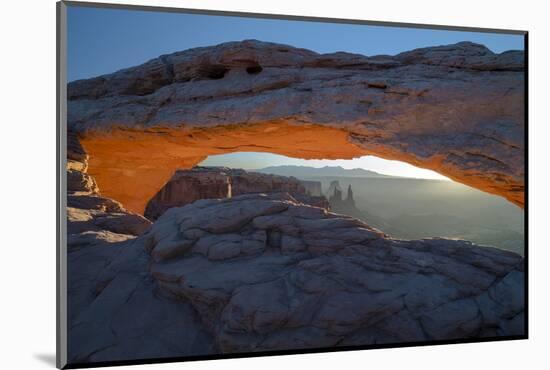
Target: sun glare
(254,160)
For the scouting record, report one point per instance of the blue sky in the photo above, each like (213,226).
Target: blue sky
(251,161)
(102,41)
(105,40)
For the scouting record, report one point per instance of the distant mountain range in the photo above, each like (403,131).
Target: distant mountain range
(327,171)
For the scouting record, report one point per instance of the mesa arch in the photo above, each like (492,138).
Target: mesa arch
(455,109)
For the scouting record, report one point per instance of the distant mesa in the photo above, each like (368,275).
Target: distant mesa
(349,198)
(342,205)
(326,171)
(334,190)
(187,186)
(313,187)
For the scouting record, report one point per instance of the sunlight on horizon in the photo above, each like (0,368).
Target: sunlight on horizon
(255,161)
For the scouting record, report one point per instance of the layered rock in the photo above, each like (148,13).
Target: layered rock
(109,291)
(187,186)
(91,217)
(244,182)
(455,109)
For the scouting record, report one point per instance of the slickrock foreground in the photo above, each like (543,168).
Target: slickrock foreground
(455,109)
(264,272)
(187,186)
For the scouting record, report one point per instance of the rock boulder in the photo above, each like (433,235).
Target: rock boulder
(284,275)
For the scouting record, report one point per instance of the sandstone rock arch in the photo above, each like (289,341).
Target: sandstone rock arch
(456,109)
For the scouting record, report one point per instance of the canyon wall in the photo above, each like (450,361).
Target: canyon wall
(313,187)
(108,287)
(455,109)
(91,216)
(187,186)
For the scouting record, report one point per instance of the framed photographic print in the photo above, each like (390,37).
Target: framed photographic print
(235,184)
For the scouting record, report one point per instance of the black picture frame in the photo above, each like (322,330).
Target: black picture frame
(61,189)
